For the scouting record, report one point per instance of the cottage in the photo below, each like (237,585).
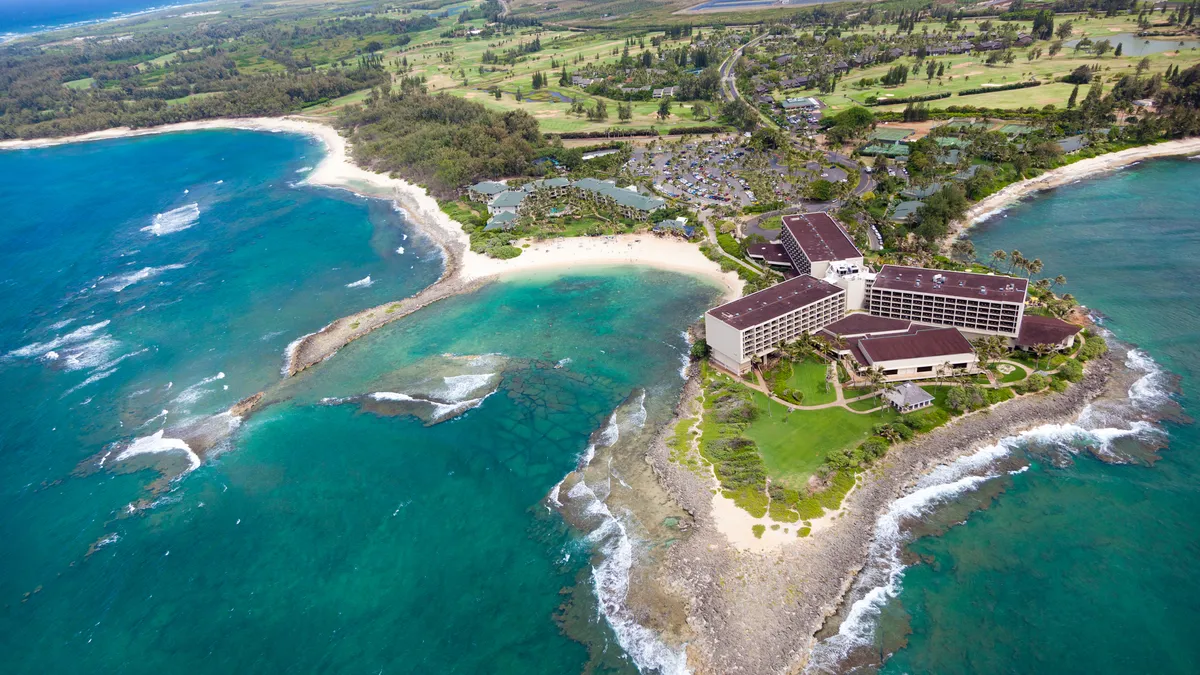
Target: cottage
(483,192)
(908,397)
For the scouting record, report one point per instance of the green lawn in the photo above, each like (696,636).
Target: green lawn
(1016,375)
(808,376)
(866,404)
(793,445)
(85,83)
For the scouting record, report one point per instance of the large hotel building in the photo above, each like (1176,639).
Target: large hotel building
(976,303)
(756,324)
(910,322)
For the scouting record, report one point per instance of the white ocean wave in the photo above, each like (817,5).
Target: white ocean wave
(61,324)
(289,353)
(610,582)
(91,354)
(440,411)
(365,282)
(399,250)
(883,575)
(120,282)
(94,377)
(1152,390)
(156,443)
(459,387)
(175,220)
(197,391)
(38,349)
(304,169)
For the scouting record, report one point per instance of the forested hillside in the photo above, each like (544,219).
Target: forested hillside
(440,141)
(219,68)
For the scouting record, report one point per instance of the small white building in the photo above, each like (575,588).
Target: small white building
(908,397)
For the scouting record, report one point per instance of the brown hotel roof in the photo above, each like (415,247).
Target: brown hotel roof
(774,302)
(955,284)
(931,342)
(820,237)
(1043,330)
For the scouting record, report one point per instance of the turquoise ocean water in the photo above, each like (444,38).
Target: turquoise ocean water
(384,512)
(1072,564)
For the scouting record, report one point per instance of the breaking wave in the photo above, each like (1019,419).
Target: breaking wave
(1095,431)
(197,391)
(175,220)
(156,443)
(38,349)
(365,282)
(122,281)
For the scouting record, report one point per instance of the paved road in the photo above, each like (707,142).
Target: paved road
(728,79)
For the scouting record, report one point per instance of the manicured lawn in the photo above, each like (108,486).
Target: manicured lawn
(793,445)
(866,404)
(1016,375)
(808,376)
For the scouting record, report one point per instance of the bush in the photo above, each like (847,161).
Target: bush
(907,99)
(504,252)
(730,245)
(700,349)
(1094,347)
(803,532)
(1059,384)
(758,530)
(1035,383)
(1071,370)
(1003,87)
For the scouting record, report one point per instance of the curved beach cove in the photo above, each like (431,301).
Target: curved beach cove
(385,512)
(1079,558)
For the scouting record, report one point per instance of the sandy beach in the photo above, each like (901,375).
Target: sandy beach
(1066,175)
(464,270)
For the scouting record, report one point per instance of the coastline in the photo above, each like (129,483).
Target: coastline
(760,610)
(1065,175)
(464,270)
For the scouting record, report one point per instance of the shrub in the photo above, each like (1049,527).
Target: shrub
(1059,384)
(730,245)
(758,530)
(1003,87)
(908,99)
(504,252)
(1071,370)
(1036,382)
(1093,348)
(803,532)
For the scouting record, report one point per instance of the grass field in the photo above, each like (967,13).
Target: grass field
(969,71)
(793,445)
(1016,375)
(808,377)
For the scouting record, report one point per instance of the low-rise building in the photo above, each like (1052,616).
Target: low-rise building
(1044,330)
(919,353)
(908,397)
(483,192)
(753,326)
(508,201)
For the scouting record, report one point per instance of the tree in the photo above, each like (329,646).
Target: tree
(700,111)
(664,108)
(1042,351)
(998,256)
(1064,30)
(625,112)
(1120,50)
(876,380)
(962,249)
(1074,97)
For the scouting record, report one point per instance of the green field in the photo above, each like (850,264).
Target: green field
(966,71)
(794,445)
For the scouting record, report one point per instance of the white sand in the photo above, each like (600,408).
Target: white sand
(1066,175)
(629,249)
(738,525)
(338,170)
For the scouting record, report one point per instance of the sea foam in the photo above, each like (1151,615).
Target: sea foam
(156,443)
(365,282)
(120,282)
(175,220)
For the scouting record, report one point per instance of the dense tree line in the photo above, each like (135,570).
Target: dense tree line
(131,85)
(441,141)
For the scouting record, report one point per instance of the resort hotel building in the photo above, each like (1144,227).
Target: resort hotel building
(755,325)
(983,304)
(908,322)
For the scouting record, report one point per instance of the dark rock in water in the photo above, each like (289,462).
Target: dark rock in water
(243,407)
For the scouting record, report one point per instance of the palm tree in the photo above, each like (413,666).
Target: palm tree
(1059,280)
(877,380)
(1042,351)
(998,256)
(1015,259)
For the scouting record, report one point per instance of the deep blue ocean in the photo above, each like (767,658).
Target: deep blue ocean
(384,512)
(24,16)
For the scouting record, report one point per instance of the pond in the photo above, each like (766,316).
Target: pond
(1133,45)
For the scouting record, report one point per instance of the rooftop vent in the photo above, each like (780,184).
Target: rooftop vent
(983,290)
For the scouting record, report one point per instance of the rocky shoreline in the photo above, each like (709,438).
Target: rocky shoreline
(759,613)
